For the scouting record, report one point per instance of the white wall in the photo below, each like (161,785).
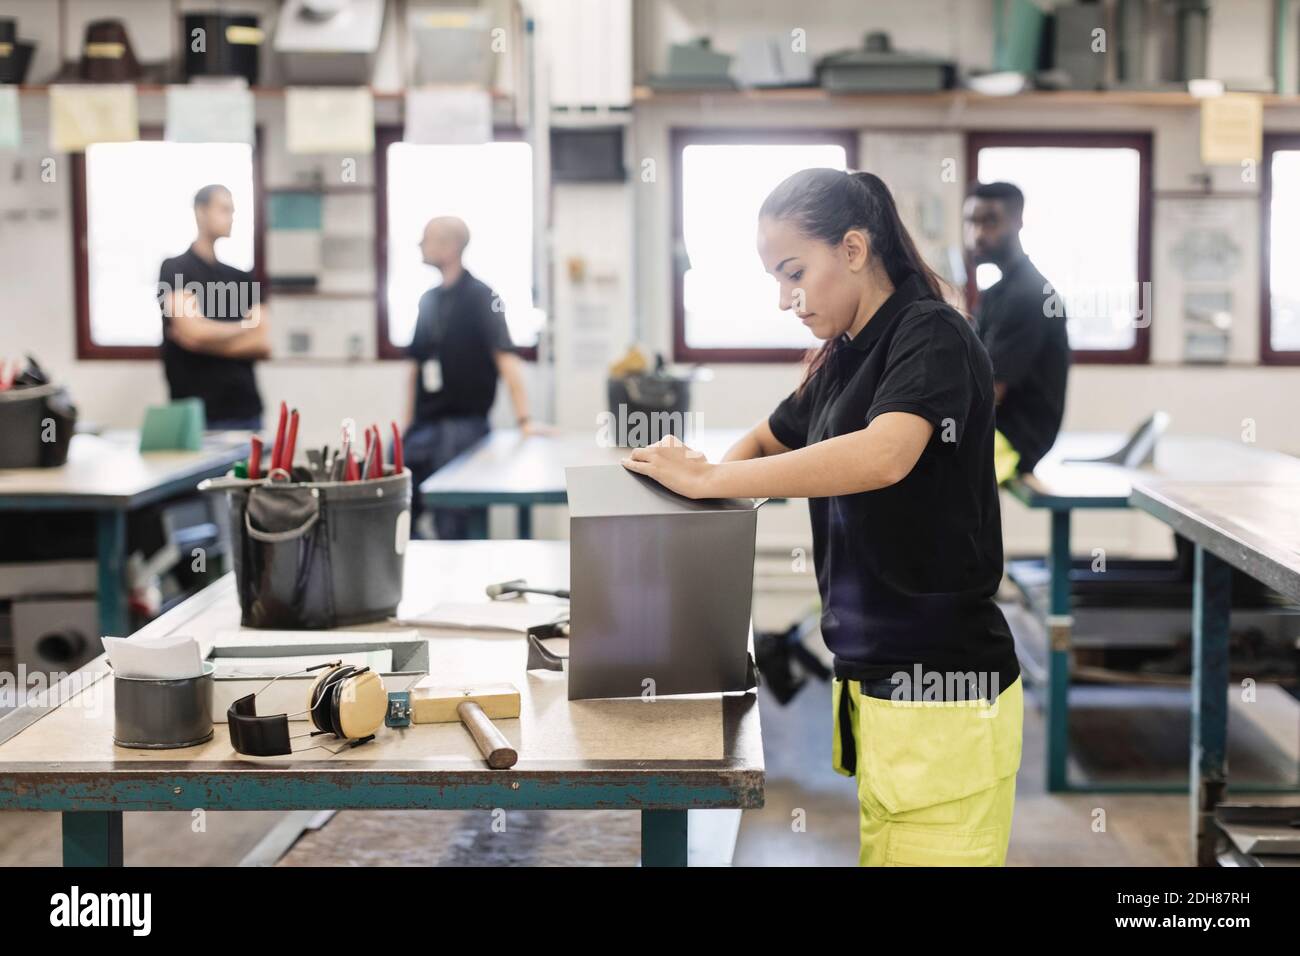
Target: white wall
(622,234)
(1206,400)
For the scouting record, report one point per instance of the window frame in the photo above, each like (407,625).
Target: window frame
(1139,353)
(385,136)
(1273,142)
(681,137)
(87,348)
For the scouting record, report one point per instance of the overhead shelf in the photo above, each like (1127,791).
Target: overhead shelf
(815,94)
(268,92)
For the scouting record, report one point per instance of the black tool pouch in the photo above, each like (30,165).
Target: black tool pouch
(318,555)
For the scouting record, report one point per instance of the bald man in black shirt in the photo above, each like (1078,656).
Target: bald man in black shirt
(461,348)
(1021,321)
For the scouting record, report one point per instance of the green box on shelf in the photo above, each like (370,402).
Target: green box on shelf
(294,210)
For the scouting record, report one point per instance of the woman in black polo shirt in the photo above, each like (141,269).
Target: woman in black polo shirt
(890,437)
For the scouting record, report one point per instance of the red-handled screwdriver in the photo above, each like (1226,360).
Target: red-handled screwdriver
(398,457)
(290,444)
(377,462)
(278,448)
(255,458)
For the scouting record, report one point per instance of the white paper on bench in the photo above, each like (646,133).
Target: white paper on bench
(173,657)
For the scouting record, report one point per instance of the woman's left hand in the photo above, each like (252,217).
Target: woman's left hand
(674,465)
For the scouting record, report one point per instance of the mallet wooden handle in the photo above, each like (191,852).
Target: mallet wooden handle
(491,742)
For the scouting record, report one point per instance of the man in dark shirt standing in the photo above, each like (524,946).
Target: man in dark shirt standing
(1021,322)
(214,328)
(461,346)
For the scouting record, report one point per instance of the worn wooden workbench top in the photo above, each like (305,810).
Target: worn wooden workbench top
(697,741)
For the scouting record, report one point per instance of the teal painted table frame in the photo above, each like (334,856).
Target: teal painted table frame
(92,808)
(110,513)
(1060,625)
(93,799)
(1210,621)
(523,502)
(1220,546)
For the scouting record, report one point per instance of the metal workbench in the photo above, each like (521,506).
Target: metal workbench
(108,476)
(510,468)
(1253,526)
(663,757)
(1062,487)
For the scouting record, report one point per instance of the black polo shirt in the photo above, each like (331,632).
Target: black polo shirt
(461,328)
(907,573)
(1021,321)
(227,386)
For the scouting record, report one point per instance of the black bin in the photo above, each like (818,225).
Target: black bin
(315,555)
(230,47)
(36,426)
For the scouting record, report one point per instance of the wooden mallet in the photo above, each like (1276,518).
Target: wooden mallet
(475,707)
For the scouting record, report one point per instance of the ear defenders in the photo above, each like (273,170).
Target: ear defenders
(346,701)
(349,702)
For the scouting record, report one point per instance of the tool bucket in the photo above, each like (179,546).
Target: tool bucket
(318,555)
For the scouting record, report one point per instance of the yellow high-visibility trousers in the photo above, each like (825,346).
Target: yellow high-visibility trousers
(1005,458)
(936,780)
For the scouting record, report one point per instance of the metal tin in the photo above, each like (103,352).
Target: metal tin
(162,714)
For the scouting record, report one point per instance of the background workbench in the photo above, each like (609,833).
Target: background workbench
(1062,486)
(1253,526)
(510,468)
(109,476)
(662,757)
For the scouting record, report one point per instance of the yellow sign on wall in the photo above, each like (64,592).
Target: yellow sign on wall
(1232,129)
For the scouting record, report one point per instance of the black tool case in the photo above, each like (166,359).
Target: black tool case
(36,426)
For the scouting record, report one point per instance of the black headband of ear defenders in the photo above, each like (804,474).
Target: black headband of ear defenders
(257,736)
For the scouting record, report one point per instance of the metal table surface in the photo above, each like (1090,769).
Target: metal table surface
(509,468)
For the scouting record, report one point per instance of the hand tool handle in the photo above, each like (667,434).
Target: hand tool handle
(255,458)
(376,469)
(399,462)
(491,742)
(290,444)
(278,448)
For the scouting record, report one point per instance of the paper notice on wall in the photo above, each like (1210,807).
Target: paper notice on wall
(321,120)
(11,127)
(590,333)
(207,114)
(441,115)
(84,114)
(1232,129)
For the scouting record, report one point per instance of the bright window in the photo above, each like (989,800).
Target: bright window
(729,304)
(140,211)
(490,186)
(1283,253)
(1082,230)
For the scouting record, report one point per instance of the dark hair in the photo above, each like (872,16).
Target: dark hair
(204,195)
(1006,193)
(825,204)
